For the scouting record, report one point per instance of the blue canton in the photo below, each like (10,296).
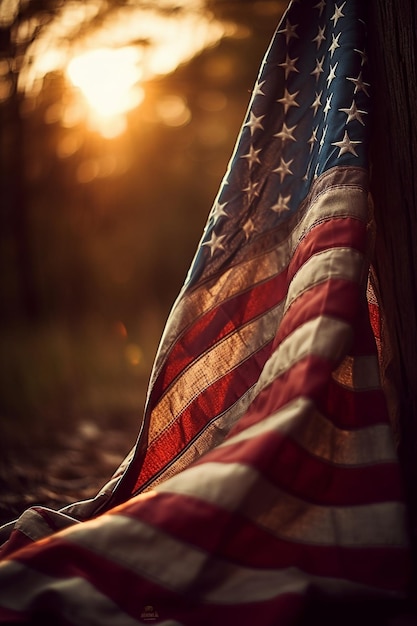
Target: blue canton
(308,113)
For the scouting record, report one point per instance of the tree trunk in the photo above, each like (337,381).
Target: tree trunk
(393,56)
(19,293)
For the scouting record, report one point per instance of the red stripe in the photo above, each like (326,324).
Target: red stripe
(353,409)
(16,541)
(290,467)
(328,298)
(13,617)
(375,319)
(336,232)
(311,377)
(364,339)
(221,395)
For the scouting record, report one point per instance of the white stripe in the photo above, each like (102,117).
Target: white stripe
(34,526)
(336,263)
(238,487)
(75,599)
(322,336)
(304,424)
(237,586)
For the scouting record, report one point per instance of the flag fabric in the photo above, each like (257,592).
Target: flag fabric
(265,473)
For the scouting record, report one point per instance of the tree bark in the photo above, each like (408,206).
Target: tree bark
(16,240)
(393,57)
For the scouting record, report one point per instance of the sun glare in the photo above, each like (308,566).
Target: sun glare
(108,79)
(108,56)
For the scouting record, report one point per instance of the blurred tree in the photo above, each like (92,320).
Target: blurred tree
(393,54)
(98,232)
(21,23)
(57,26)
(15,243)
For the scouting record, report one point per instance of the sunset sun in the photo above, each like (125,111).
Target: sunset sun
(108,79)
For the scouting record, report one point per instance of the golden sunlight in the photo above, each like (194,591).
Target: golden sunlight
(108,79)
(108,56)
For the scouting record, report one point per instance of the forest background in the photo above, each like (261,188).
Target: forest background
(117,122)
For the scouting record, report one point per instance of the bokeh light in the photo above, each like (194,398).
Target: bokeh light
(108,80)
(109,60)
(172,110)
(133,354)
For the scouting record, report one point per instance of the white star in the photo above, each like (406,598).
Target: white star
(249,228)
(289,31)
(327,105)
(322,138)
(360,85)
(283,169)
(320,37)
(252,156)
(289,65)
(306,175)
(338,13)
(364,58)
(354,114)
(335,44)
(346,145)
(317,102)
(218,210)
(288,100)
(254,123)
(215,243)
(332,74)
(281,204)
(251,189)
(313,139)
(257,90)
(318,69)
(286,134)
(320,6)
(225,180)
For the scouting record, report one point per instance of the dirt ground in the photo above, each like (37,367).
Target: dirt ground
(71,467)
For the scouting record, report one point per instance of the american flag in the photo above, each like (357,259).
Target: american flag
(265,473)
